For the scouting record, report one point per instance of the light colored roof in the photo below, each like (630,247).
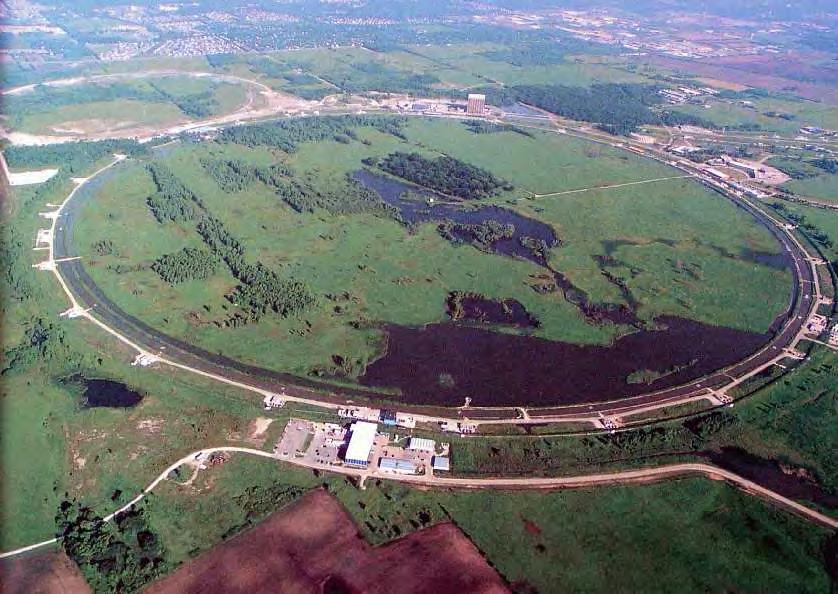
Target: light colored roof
(441,463)
(420,443)
(396,464)
(360,444)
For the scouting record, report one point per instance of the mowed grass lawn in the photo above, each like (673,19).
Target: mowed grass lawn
(676,247)
(679,536)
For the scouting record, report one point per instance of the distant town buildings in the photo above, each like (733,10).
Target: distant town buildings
(476,104)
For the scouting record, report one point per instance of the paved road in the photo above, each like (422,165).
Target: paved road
(83,292)
(639,476)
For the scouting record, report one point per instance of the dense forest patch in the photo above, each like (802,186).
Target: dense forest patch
(442,174)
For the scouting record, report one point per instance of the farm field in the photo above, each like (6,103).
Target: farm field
(315,542)
(676,248)
(607,534)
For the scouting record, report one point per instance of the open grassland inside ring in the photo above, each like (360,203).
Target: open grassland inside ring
(403,302)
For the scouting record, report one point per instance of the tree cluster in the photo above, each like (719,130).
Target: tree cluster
(482,235)
(827,164)
(120,556)
(16,280)
(42,341)
(260,289)
(618,108)
(444,174)
(287,135)
(185,265)
(173,201)
(71,157)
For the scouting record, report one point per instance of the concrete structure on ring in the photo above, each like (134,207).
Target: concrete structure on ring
(362,436)
(476,103)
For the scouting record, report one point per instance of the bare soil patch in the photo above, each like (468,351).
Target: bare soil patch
(314,546)
(43,573)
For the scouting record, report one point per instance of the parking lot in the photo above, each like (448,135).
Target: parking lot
(313,443)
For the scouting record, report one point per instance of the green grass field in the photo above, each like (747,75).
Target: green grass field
(669,237)
(821,187)
(98,106)
(589,540)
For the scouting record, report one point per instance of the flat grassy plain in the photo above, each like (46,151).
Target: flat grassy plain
(587,540)
(674,244)
(135,103)
(822,187)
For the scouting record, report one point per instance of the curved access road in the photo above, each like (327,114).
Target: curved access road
(624,477)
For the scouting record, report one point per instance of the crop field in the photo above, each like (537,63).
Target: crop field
(679,249)
(608,535)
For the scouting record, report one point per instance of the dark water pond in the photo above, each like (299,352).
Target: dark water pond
(529,241)
(442,363)
(478,309)
(104,393)
(416,211)
(770,474)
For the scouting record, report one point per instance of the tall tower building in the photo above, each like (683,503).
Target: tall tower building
(476,103)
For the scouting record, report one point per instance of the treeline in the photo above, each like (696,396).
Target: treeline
(119,556)
(173,201)
(234,176)
(185,265)
(443,174)
(817,235)
(484,127)
(618,108)
(17,282)
(827,164)
(260,289)
(43,98)
(289,134)
(194,105)
(71,157)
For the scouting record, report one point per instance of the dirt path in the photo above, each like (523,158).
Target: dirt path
(639,476)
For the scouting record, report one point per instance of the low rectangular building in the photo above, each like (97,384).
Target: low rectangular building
(441,463)
(421,444)
(362,436)
(397,466)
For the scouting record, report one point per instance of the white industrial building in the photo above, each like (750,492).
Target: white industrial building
(396,466)
(421,444)
(362,436)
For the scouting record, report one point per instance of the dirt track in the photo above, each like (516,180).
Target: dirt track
(314,546)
